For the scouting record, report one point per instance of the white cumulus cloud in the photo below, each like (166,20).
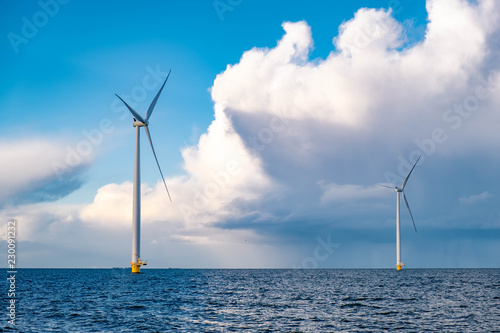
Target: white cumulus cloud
(285,123)
(35,170)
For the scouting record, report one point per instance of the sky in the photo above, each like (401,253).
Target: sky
(275,130)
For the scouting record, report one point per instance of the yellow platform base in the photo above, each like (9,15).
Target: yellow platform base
(136,266)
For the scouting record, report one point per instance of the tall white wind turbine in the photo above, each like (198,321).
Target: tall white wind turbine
(139,122)
(400,190)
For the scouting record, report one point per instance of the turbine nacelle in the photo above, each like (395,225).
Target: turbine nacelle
(137,123)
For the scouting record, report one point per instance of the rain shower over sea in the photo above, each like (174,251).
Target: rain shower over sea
(256,300)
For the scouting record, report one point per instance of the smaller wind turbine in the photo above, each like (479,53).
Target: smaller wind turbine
(400,190)
(139,122)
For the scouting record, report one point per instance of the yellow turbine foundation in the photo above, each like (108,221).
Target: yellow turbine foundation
(136,266)
(398,267)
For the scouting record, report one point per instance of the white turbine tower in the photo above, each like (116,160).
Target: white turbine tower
(139,122)
(400,190)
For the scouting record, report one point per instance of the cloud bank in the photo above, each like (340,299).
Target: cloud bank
(35,170)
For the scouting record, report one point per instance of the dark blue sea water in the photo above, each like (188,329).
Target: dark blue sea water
(246,300)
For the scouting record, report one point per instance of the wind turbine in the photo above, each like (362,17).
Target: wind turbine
(139,122)
(400,190)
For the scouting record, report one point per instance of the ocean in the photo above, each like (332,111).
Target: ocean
(254,300)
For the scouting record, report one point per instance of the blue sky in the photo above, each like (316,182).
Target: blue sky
(311,115)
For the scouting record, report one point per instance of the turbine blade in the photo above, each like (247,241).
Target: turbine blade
(161,173)
(153,103)
(408,206)
(385,185)
(409,173)
(135,114)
